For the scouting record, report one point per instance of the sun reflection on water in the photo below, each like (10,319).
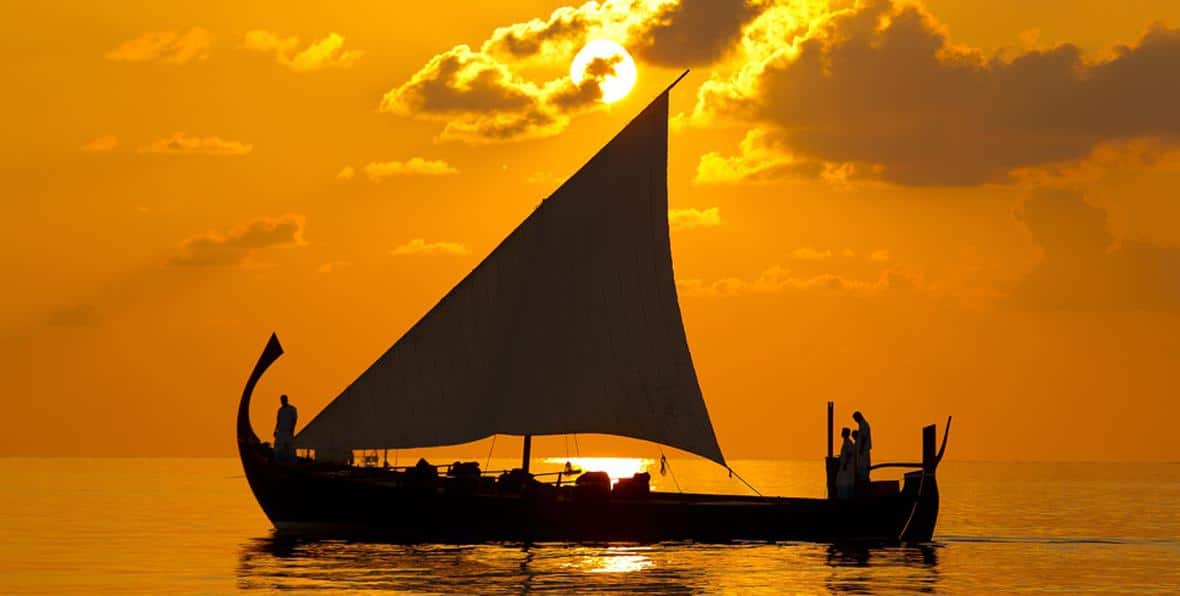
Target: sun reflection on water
(614,560)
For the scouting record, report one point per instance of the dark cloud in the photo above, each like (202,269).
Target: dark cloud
(1083,268)
(481,100)
(564,28)
(881,86)
(82,315)
(600,68)
(459,81)
(234,247)
(692,32)
(763,157)
(571,97)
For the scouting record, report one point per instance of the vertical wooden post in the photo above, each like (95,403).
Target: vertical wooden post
(831,405)
(928,449)
(528,453)
(830,463)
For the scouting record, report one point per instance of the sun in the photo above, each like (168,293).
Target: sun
(615,467)
(614,86)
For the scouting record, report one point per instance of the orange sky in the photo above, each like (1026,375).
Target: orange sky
(965,208)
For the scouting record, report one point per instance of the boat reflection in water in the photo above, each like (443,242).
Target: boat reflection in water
(289,563)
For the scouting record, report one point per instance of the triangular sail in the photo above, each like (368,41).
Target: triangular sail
(571,325)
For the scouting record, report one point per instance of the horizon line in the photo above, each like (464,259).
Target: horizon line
(749,459)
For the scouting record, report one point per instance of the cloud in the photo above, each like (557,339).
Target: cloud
(692,32)
(777,279)
(559,35)
(880,255)
(326,53)
(668,33)
(101,144)
(346,173)
(82,315)
(1106,158)
(164,47)
(1083,268)
(182,144)
(482,96)
(415,166)
(234,247)
(688,219)
(810,254)
(881,86)
(482,100)
(420,247)
(763,157)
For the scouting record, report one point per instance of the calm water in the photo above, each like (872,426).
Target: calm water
(191,525)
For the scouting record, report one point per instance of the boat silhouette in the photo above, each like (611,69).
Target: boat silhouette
(571,325)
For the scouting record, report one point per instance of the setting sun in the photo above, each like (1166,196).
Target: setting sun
(615,467)
(615,83)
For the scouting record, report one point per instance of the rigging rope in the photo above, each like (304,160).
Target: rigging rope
(667,467)
(739,477)
(489,462)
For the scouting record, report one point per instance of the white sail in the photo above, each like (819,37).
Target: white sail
(571,325)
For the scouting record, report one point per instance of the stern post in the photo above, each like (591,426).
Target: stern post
(924,514)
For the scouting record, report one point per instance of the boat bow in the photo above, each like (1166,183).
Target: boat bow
(245,431)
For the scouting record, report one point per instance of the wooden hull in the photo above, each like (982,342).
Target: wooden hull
(299,498)
(316,500)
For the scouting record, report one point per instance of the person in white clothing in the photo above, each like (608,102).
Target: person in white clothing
(846,472)
(864,444)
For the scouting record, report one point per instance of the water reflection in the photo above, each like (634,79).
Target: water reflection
(91,526)
(283,562)
(614,559)
(860,568)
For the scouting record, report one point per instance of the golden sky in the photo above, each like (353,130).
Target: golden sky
(962,208)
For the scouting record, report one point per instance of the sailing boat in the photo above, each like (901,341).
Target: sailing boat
(571,325)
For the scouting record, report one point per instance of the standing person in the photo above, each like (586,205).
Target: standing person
(846,472)
(285,431)
(864,444)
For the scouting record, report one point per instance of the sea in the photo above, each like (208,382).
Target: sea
(120,525)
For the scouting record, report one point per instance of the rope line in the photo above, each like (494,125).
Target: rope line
(489,462)
(664,465)
(739,477)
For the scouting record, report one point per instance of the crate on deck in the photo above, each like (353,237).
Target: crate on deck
(636,486)
(463,477)
(592,486)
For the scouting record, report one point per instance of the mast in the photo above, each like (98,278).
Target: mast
(528,453)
